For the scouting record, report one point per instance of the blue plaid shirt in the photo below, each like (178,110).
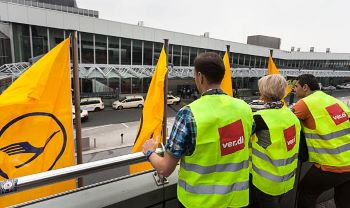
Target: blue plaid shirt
(182,138)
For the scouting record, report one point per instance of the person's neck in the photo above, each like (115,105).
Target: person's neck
(309,93)
(211,87)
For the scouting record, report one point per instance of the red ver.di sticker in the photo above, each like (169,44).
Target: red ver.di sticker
(337,114)
(290,137)
(231,138)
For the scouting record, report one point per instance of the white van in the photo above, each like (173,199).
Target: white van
(173,100)
(135,101)
(91,104)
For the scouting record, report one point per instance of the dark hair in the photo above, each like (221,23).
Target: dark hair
(211,66)
(309,80)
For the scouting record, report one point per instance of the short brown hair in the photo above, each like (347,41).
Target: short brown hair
(272,87)
(211,66)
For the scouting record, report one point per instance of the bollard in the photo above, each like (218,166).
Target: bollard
(95,143)
(121,138)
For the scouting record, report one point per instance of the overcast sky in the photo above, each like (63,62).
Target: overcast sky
(300,23)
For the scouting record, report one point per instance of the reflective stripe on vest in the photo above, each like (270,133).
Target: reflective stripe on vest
(280,162)
(334,151)
(272,177)
(214,189)
(229,167)
(329,136)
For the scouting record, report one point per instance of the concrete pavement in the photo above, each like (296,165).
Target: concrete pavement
(108,137)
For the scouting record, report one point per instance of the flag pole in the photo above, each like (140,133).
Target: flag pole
(164,131)
(228,51)
(77,103)
(271,52)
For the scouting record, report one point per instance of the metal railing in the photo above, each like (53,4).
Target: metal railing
(54,176)
(84,12)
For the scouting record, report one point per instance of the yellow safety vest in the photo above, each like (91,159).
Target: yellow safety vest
(273,169)
(329,143)
(217,173)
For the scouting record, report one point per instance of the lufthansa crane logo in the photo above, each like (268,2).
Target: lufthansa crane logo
(33,139)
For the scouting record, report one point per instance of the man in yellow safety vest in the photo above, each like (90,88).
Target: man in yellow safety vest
(210,136)
(325,123)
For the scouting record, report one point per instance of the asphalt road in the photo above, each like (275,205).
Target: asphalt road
(111,116)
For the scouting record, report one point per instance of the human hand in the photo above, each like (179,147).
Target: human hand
(150,144)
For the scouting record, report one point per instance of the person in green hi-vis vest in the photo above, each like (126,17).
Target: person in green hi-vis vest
(325,123)
(275,146)
(210,139)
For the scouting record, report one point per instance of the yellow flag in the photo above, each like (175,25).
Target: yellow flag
(152,113)
(226,83)
(36,125)
(272,69)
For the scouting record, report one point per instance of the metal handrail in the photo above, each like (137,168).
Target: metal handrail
(54,176)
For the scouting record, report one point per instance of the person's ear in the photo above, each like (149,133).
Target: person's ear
(201,77)
(306,87)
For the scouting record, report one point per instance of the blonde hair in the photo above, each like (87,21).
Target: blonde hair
(272,87)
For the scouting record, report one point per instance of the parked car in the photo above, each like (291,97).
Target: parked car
(173,100)
(135,101)
(257,105)
(330,87)
(84,115)
(92,104)
(343,86)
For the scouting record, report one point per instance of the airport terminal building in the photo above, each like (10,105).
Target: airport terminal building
(119,57)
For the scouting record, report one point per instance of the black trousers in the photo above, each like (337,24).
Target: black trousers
(258,199)
(317,181)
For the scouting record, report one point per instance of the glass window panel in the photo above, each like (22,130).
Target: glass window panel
(185,56)
(146,83)
(241,60)
(136,85)
(100,85)
(101,49)
(113,50)
(56,37)
(137,52)
(87,50)
(200,50)
(39,35)
(126,51)
(193,55)
(170,55)
(113,83)
(235,60)
(126,84)
(157,49)
(21,40)
(147,53)
(176,55)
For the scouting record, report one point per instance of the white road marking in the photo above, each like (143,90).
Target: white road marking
(124,125)
(96,127)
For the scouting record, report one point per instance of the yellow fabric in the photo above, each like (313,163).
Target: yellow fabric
(272,69)
(226,83)
(35,108)
(153,112)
